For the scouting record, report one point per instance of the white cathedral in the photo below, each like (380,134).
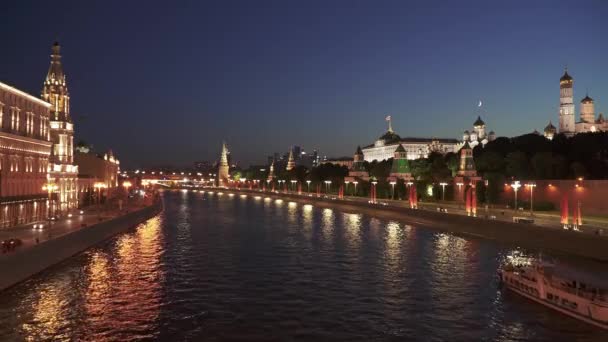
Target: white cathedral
(567,114)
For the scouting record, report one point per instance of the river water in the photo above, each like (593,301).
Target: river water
(247,268)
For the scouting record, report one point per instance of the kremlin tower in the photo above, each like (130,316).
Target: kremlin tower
(222,172)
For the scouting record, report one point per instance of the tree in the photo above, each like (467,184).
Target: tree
(516,165)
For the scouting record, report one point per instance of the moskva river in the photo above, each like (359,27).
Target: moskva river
(248,268)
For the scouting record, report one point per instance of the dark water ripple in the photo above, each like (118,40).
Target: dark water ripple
(220,267)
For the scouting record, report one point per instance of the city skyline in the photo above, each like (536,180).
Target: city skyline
(265,78)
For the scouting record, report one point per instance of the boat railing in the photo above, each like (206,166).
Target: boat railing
(583,293)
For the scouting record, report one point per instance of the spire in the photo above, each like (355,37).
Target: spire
(224,155)
(390,124)
(55,89)
(290,162)
(271,172)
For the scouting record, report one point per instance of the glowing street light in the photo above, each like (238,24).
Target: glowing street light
(51,188)
(516,185)
(355,182)
(392,183)
(293,185)
(531,186)
(308,183)
(328,185)
(346,182)
(443,184)
(127,185)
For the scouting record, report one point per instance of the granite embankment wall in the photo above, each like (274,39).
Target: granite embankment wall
(15,268)
(516,234)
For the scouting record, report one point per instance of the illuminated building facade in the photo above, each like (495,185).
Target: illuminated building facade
(62,171)
(478,134)
(567,114)
(415,148)
(93,169)
(25,148)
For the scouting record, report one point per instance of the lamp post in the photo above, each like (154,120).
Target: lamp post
(51,188)
(308,184)
(127,185)
(327,186)
(443,184)
(346,185)
(516,185)
(531,186)
(293,185)
(98,186)
(392,183)
(355,182)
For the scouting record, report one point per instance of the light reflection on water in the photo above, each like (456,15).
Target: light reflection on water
(214,267)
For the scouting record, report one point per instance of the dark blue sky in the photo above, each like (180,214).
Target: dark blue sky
(165,82)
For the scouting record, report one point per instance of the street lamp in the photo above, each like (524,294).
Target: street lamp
(51,188)
(392,183)
(127,185)
(346,182)
(516,185)
(327,185)
(293,185)
(531,186)
(443,184)
(308,183)
(355,182)
(98,186)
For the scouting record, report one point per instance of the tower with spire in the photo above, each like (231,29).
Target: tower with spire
(223,170)
(566,104)
(291,164)
(63,172)
(357,170)
(271,172)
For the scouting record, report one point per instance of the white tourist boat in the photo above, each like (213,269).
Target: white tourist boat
(569,295)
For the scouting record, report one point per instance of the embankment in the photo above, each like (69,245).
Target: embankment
(15,268)
(517,234)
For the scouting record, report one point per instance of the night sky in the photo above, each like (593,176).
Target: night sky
(165,83)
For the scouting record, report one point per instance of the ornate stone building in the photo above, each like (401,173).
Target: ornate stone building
(385,146)
(25,148)
(467,173)
(567,115)
(96,168)
(478,135)
(62,172)
(566,104)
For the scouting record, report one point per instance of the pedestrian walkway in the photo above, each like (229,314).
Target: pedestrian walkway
(42,231)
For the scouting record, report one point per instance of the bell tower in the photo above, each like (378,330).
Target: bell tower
(566,104)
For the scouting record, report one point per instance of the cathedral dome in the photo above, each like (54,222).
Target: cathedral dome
(550,128)
(479,122)
(390,138)
(587,99)
(566,77)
